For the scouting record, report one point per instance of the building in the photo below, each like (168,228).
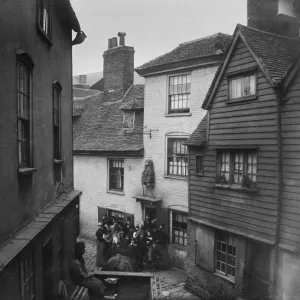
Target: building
(39,206)
(175,87)
(244,166)
(108,142)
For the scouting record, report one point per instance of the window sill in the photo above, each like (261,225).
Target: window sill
(241,100)
(178,114)
(115,192)
(178,247)
(58,161)
(26,171)
(176,177)
(44,36)
(234,187)
(230,279)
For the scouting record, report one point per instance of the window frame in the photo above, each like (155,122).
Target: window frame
(172,234)
(46,35)
(57,151)
(238,75)
(199,172)
(167,172)
(120,160)
(227,237)
(182,111)
(133,117)
(28,254)
(231,168)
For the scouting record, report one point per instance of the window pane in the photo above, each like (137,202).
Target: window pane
(177,157)
(179,228)
(116,175)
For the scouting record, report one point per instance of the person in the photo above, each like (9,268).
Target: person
(79,274)
(146,225)
(149,241)
(161,237)
(107,237)
(136,232)
(142,250)
(100,246)
(127,225)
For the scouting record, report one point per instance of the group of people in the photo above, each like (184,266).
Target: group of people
(145,244)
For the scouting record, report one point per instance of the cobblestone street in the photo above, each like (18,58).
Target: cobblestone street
(171,281)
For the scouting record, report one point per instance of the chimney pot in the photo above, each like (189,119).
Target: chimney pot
(114,42)
(122,38)
(109,43)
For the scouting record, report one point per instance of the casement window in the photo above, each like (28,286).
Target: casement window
(120,216)
(116,174)
(179,228)
(242,86)
(24,114)
(237,167)
(177,160)
(57,120)
(128,119)
(199,164)
(44,17)
(179,93)
(225,254)
(27,277)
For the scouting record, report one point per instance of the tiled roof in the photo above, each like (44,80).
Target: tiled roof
(100,127)
(209,45)
(198,137)
(277,54)
(134,104)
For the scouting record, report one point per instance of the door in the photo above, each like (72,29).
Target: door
(47,270)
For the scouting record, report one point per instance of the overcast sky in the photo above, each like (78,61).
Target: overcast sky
(153,27)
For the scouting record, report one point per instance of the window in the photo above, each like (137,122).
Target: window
(116,175)
(44,17)
(177,161)
(199,164)
(225,259)
(179,228)
(56,120)
(23,91)
(179,93)
(128,119)
(242,86)
(27,280)
(237,167)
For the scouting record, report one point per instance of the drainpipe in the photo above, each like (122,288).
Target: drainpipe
(279,97)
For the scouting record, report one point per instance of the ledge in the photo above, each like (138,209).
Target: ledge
(176,177)
(115,192)
(227,278)
(58,161)
(235,188)
(27,171)
(178,115)
(241,100)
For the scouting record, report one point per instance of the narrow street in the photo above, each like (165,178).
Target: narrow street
(170,282)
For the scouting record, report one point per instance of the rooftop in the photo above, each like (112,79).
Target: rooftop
(198,137)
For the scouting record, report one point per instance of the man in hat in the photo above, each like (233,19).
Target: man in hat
(79,274)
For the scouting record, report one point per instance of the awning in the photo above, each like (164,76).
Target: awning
(146,199)
(23,237)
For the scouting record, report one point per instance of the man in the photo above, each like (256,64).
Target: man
(79,274)
(148,224)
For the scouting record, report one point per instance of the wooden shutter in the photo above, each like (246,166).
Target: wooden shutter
(101,211)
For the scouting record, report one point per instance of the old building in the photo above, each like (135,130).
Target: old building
(175,87)
(244,166)
(39,206)
(108,142)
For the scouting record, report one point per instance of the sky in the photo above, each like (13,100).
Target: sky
(153,27)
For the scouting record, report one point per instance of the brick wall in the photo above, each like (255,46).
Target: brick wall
(174,192)
(90,176)
(118,71)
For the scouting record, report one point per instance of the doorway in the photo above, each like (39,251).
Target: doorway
(151,212)
(47,270)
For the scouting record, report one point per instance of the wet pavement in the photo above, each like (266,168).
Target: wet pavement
(171,281)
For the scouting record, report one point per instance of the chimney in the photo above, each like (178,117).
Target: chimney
(118,69)
(109,43)
(274,16)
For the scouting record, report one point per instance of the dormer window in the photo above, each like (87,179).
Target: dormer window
(128,119)
(242,86)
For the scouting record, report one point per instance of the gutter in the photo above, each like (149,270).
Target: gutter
(110,153)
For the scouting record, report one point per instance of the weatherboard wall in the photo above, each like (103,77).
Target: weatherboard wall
(246,124)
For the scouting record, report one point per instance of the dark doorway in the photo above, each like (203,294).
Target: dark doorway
(47,270)
(151,212)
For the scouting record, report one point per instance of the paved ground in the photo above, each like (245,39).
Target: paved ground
(171,281)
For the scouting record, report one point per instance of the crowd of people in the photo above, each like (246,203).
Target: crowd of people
(145,244)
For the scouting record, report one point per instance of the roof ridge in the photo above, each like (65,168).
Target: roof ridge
(203,38)
(240,26)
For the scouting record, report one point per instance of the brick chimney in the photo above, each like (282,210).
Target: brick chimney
(118,69)
(276,16)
